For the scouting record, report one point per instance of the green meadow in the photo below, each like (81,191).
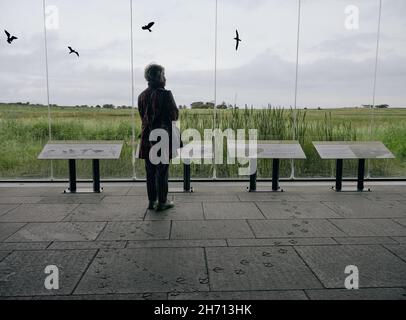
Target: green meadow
(24,131)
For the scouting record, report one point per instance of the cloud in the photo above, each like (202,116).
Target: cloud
(336,69)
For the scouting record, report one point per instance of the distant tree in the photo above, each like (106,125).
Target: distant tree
(197,105)
(108,106)
(382,106)
(98,106)
(223,105)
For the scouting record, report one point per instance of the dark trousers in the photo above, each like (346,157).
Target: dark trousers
(157,181)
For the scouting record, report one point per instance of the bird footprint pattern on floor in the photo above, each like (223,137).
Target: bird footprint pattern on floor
(218,269)
(244,262)
(204,280)
(181,280)
(239,271)
(146,296)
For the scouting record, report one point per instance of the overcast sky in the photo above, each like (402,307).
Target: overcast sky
(336,65)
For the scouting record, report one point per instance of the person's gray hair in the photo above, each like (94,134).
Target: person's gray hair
(153,72)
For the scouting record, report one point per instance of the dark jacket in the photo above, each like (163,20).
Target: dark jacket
(157,109)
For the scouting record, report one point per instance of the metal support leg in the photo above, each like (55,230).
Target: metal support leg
(96,175)
(275,174)
(72,175)
(186,177)
(339,174)
(253,175)
(361,173)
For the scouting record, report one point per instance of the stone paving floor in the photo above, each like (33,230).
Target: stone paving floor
(220,242)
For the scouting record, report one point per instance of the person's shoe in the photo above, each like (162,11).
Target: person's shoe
(164,206)
(152,205)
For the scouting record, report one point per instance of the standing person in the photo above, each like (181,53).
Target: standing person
(157,109)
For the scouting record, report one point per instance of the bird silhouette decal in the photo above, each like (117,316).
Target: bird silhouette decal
(10,38)
(73,51)
(148,26)
(237,39)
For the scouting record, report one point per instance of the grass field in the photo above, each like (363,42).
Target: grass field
(24,131)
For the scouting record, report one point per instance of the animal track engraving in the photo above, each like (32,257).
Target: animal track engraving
(239,271)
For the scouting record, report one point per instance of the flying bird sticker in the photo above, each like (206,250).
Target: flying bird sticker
(237,40)
(148,26)
(10,38)
(73,51)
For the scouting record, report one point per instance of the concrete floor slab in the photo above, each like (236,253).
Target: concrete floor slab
(377,266)
(38,213)
(58,231)
(22,273)
(241,295)
(231,210)
(294,228)
(385,196)
(296,210)
(107,212)
(7,229)
(23,191)
(401,221)
(360,294)
(72,198)
(210,229)
(137,270)
(184,211)
(24,245)
(4,254)
(176,243)
(330,195)
(139,201)
(109,190)
(4,208)
(19,200)
(368,209)
(196,197)
(129,296)
(69,245)
(280,242)
(136,230)
(365,240)
(398,250)
(369,227)
(401,240)
(270,196)
(258,268)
